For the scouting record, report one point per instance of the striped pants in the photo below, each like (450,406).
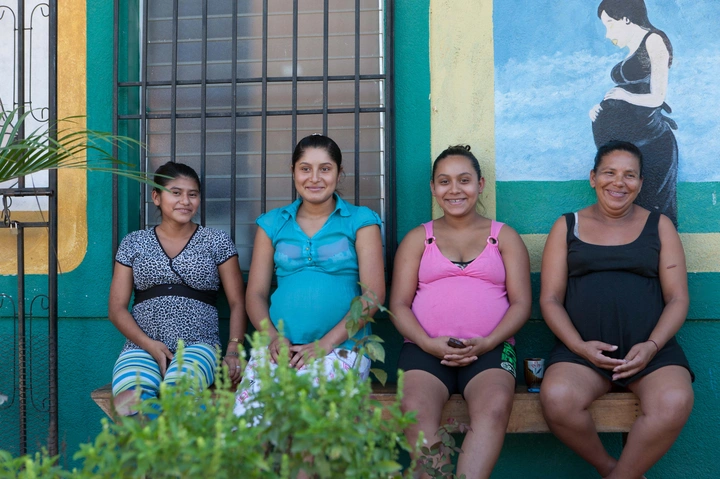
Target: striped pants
(137,368)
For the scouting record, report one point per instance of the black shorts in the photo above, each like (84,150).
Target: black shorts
(670,355)
(456,379)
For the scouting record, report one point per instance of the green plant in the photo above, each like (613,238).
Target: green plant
(39,466)
(328,430)
(37,151)
(371,345)
(196,435)
(436,460)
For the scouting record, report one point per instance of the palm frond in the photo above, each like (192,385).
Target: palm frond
(73,148)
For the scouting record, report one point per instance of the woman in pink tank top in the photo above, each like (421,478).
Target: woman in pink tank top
(461,290)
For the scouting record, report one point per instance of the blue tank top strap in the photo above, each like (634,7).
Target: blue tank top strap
(494,232)
(429,234)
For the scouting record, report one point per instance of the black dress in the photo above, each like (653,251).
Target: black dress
(647,128)
(613,295)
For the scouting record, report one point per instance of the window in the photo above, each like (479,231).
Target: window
(229,87)
(25,80)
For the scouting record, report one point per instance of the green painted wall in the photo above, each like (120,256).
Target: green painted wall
(412,113)
(698,209)
(89,343)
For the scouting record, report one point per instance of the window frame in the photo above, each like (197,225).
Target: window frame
(128,210)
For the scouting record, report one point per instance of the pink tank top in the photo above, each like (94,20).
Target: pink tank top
(461,303)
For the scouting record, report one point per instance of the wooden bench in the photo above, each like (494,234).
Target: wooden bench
(613,412)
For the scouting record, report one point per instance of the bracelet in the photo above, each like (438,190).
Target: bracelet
(233,354)
(657,349)
(236,340)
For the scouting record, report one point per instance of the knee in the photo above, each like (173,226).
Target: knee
(558,399)
(409,404)
(126,402)
(671,407)
(195,378)
(414,403)
(496,412)
(428,415)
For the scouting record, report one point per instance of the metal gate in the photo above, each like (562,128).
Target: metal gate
(28,346)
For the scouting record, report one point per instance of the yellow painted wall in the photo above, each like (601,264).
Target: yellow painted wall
(700,251)
(72,200)
(462,84)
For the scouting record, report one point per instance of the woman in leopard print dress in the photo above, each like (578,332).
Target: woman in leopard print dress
(175,270)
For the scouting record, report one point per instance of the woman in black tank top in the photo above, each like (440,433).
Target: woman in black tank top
(614,291)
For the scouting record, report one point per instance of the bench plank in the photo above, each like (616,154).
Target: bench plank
(613,412)
(103,398)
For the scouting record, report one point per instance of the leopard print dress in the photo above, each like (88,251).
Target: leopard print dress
(171,318)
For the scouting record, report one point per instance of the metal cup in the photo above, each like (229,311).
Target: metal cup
(534,372)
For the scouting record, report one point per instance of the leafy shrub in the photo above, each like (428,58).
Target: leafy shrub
(39,466)
(329,429)
(436,460)
(332,429)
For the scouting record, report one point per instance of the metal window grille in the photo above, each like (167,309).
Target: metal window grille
(229,87)
(29,381)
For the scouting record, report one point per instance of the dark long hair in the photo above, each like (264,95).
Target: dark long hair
(636,12)
(457,150)
(320,142)
(616,145)
(171,170)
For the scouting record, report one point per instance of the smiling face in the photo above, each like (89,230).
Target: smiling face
(180,203)
(456,185)
(617,31)
(617,180)
(316,176)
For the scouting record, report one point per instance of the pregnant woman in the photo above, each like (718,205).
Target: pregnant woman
(633,110)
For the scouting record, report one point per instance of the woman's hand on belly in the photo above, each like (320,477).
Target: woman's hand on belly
(637,359)
(617,93)
(439,348)
(593,352)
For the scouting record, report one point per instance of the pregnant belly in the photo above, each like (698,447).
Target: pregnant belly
(602,310)
(620,120)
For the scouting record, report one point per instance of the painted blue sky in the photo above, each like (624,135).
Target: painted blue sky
(552,64)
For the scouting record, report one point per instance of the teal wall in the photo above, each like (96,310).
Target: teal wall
(524,205)
(412,113)
(89,343)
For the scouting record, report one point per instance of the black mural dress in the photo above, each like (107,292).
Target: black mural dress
(647,128)
(614,295)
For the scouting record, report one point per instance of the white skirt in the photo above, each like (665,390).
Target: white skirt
(330,366)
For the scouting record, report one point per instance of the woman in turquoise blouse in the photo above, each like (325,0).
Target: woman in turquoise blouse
(319,247)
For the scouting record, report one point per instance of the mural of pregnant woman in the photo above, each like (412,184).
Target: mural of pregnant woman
(571,75)
(635,109)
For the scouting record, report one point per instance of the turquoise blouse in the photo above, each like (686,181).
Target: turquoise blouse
(317,277)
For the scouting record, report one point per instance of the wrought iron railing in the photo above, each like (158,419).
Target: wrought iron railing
(29,385)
